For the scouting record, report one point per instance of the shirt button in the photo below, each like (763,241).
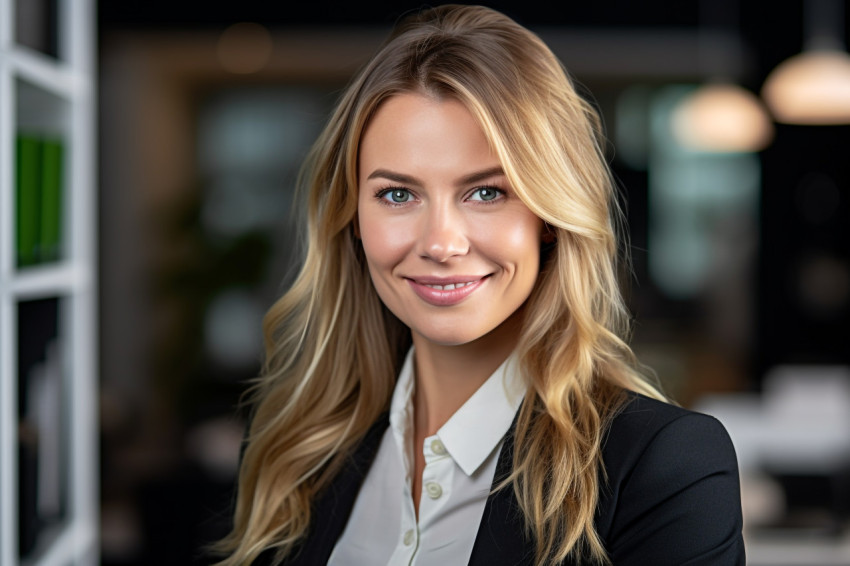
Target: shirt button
(408,537)
(438,447)
(433,489)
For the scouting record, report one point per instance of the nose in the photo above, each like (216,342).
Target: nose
(443,233)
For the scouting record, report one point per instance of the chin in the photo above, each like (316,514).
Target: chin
(447,338)
(455,335)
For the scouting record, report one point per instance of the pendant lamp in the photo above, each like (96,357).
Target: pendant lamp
(720,116)
(813,87)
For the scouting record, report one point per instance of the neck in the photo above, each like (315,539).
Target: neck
(447,376)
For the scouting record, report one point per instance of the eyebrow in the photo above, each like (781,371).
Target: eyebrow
(410,180)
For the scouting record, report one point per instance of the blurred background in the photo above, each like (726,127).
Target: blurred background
(729,123)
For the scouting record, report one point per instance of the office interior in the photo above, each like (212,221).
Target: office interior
(739,240)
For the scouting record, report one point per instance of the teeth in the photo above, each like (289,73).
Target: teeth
(450,286)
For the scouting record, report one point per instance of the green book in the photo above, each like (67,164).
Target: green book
(28,195)
(50,237)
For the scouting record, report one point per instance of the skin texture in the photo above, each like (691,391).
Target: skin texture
(434,208)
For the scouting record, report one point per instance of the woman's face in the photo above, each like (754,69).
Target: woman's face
(452,251)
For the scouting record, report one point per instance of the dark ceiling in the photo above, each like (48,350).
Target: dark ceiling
(196,13)
(771,29)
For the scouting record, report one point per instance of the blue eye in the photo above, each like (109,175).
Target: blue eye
(396,196)
(485,194)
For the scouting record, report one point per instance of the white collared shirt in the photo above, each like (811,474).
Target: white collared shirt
(460,463)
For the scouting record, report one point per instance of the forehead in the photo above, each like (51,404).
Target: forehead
(416,128)
(408,108)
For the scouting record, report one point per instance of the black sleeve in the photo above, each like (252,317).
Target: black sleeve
(680,502)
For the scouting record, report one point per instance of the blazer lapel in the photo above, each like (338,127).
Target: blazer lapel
(501,538)
(334,505)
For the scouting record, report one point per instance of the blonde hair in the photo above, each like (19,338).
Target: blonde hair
(333,350)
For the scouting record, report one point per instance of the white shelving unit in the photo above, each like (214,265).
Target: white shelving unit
(48,400)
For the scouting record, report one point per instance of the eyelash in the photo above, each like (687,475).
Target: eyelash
(382,193)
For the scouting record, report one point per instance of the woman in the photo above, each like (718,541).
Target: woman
(446,382)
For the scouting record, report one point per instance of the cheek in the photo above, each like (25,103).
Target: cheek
(517,240)
(523,238)
(383,243)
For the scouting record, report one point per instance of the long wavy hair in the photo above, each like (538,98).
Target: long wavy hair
(333,350)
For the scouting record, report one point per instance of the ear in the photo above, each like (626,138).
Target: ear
(355,225)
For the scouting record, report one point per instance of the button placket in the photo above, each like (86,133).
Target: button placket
(436,481)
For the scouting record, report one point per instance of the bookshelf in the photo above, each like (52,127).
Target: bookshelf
(48,385)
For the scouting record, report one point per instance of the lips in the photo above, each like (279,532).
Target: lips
(445,292)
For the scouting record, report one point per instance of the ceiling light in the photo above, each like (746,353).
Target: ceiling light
(814,86)
(810,88)
(722,117)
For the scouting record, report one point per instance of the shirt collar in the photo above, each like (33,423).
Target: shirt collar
(477,428)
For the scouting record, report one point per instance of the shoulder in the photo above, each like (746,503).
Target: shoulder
(650,432)
(673,471)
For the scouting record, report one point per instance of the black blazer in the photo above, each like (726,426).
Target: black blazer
(672,496)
